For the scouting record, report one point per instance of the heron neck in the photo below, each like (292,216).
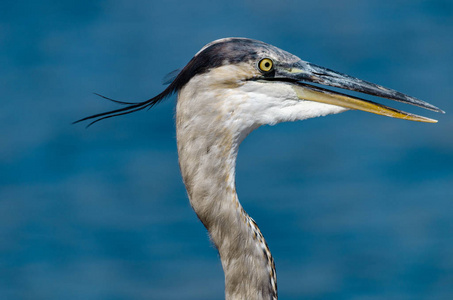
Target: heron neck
(207,158)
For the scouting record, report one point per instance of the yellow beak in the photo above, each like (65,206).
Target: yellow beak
(312,93)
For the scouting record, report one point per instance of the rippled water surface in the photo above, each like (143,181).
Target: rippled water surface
(353,206)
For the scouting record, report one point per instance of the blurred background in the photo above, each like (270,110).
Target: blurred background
(353,206)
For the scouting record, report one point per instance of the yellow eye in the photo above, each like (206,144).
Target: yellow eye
(266,64)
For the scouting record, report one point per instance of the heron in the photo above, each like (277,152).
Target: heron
(229,88)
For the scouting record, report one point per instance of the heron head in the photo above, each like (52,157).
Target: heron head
(276,84)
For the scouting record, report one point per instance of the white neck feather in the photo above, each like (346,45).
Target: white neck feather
(211,122)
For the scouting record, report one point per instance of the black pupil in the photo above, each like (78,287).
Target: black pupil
(267,64)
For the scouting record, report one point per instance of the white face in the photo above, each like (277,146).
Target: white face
(274,102)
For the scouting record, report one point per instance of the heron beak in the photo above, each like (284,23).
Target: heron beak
(307,72)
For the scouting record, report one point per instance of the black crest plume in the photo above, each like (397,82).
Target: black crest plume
(131,107)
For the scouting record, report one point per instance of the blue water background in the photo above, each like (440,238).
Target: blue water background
(353,206)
